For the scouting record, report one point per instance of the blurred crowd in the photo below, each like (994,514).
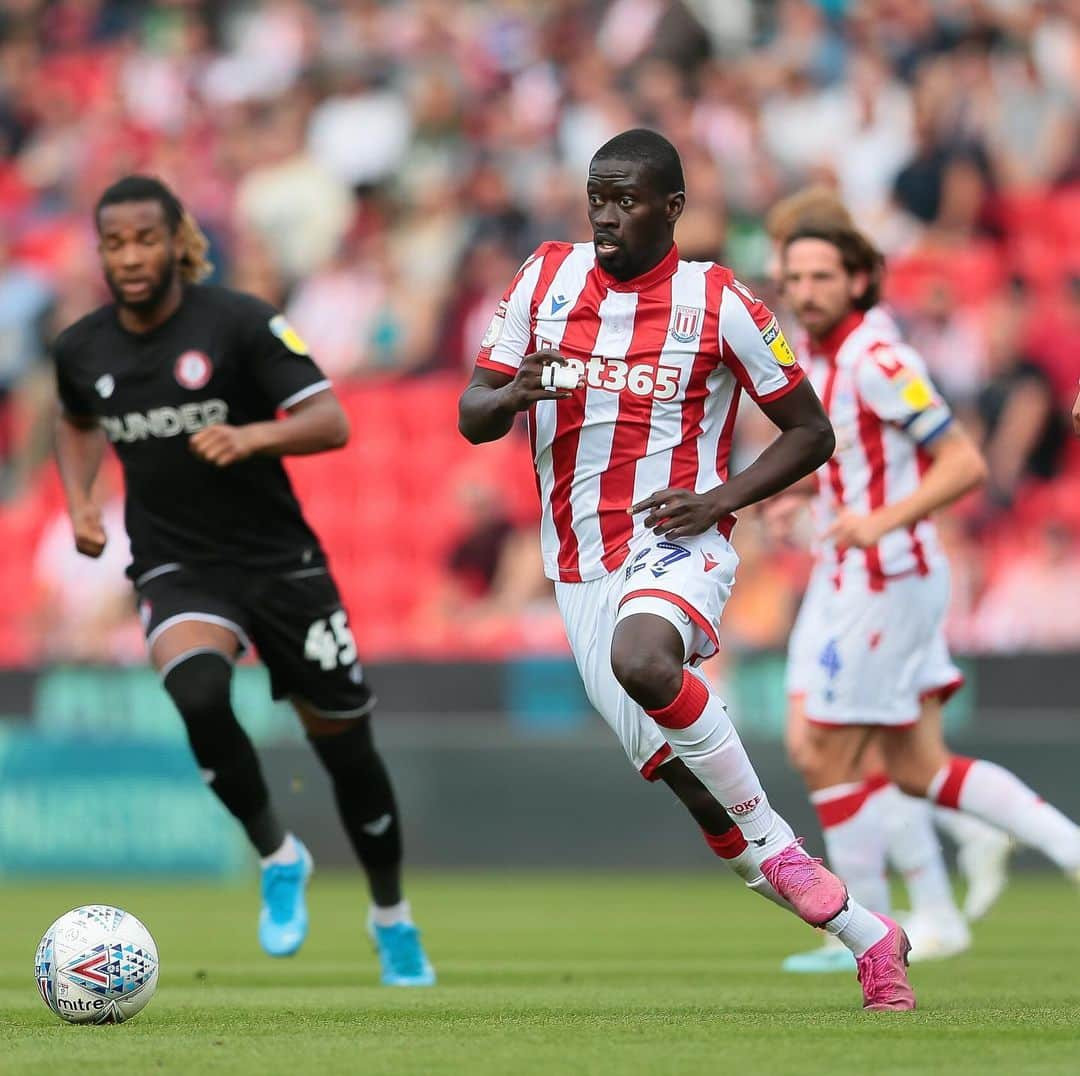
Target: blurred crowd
(379,168)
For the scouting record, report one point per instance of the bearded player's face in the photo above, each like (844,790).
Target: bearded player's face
(631,221)
(138,253)
(817,287)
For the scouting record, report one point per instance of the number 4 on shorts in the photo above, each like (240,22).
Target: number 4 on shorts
(330,643)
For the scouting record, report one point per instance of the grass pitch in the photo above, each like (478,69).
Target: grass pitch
(592,974)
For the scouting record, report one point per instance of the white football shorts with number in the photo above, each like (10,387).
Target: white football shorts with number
(861,656)
(688,583)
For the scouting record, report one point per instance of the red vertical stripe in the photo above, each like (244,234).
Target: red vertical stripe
(727,434)
(630,439)
(873,444)
(923,459)
(836,477)
(684,459)
(553,259)
(579,339)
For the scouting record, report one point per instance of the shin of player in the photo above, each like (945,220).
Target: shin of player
(637,508)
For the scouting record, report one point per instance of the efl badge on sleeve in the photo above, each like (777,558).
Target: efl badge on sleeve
(780,348)
(686,323)
(281,328)
(494,330)
(916,394)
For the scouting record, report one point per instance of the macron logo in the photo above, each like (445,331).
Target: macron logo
(710,562)
(379,826)
(558,302)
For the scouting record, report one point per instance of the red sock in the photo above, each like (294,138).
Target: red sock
(686,707)
(727,845)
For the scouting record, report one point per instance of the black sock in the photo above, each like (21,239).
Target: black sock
(199,685)
(365,800)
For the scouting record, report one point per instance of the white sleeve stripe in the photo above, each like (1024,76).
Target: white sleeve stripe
(740,332)
(303,394)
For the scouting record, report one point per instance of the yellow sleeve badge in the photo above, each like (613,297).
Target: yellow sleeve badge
(281,328)
(778,345)
(916,394)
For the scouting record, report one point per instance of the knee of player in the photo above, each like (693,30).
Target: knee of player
(200,684)
(652,678)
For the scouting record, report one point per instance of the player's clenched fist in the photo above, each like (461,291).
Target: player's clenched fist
(90,537)
(529,385)
(679,513)
(223,445)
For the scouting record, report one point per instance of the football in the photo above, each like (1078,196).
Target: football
(96,965)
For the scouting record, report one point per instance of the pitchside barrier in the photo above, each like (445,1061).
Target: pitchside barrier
(495,765)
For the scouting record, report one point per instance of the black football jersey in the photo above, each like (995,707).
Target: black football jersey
(222,357)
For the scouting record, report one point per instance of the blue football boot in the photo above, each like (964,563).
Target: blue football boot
(401,955)
(283,921)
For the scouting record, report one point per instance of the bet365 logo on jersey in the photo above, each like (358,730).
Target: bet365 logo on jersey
(613,375)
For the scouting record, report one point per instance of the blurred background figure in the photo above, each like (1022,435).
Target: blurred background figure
(380,169)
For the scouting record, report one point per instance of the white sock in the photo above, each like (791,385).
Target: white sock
(963,828)
(289,852)
(995,795)
(391,914)
(853,823)
(915,852)
(856,927)
(697,726)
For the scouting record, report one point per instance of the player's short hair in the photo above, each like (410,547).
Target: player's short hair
(857,253)
(817,206)
(194,264)
(651,149)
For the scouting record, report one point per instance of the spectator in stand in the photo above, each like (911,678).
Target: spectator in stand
(1020,426)
(446,139)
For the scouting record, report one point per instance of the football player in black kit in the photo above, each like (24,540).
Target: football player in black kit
(186,381)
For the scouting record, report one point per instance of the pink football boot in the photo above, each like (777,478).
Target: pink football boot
(883,974)
(815,893)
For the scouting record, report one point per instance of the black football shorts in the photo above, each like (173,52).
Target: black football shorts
(295,621)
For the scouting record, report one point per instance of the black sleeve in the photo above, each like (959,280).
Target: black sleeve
(276,357)
(73,401)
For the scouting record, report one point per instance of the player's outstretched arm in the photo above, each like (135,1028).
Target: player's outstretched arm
(79,444)
(957,466)
(490,402)
(317,424)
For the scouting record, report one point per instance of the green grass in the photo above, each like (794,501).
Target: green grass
(604,974)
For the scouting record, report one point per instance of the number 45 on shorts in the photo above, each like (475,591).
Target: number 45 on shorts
(330,642)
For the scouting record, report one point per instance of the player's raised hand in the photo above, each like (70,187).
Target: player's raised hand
(90,536)
(853,531)
(223,445)
(528,386)
(1076,416)
(679,513)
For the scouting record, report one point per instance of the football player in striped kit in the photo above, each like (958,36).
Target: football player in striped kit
(631,459)
(870,645)
(934,924)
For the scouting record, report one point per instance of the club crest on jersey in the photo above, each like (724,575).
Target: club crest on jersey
(281,328)
(105,385)
(193,369)
(686,323)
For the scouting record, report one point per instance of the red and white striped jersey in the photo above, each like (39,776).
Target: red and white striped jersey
(884,411)
(665,357)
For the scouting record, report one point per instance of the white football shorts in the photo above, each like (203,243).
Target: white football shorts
(688,583)
(864,657)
